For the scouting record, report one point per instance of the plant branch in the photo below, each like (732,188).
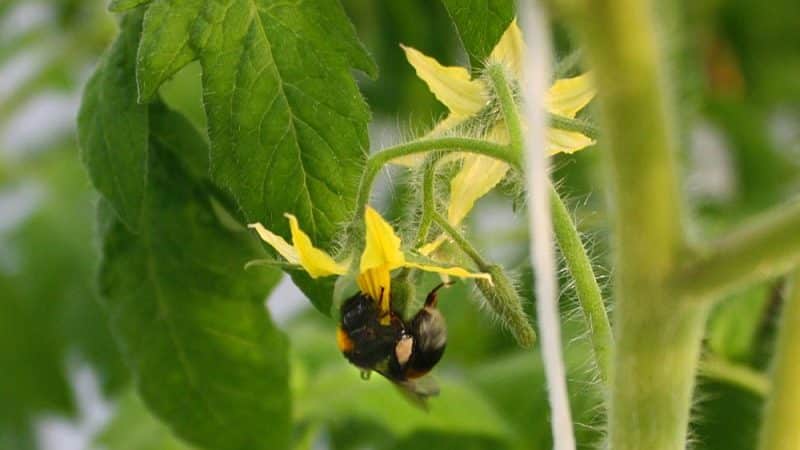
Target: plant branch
(719,369)
(780,429)
(766,246)
(589,294)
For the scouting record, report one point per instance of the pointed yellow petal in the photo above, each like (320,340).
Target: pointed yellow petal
(315,261)
(278,243)
(509,49)
(567,96)
(477,177)
(454,271)
(382,247)
(432,246)
(562,141)
(377,283)
(452,86)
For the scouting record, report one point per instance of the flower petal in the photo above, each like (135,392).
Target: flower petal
(280,245)
(432,246)
(377,283)
(454,271)
(562,141)
(567,96)
(477,177)
(452,86)
(382,248)
(509,49)
(315,261)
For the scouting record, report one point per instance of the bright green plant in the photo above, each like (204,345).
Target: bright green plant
(210,126)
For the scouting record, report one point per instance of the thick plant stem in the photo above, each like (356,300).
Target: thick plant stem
(781,428)
(589,294)
(656,341)
(766,246)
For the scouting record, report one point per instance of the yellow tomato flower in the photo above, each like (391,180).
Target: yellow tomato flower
(382,254)
(464,97)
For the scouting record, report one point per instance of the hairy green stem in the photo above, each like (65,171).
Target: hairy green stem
(719,369)
(428,201)
(460,240)
(589,294)
(767,246)
(657,342)
(781,427)
(509,106)
(580,126)
(444,145)
(568,239)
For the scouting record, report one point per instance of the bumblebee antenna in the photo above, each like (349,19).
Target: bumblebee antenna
(431,299)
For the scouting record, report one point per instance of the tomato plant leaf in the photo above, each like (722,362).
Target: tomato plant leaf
(191,322)
(286,120)
(112,127)
(480,24)
(134,427)
(125,5)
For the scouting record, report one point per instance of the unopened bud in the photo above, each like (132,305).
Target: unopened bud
(507,305)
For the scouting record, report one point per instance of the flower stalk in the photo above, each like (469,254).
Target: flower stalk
(589,294)
(569,241)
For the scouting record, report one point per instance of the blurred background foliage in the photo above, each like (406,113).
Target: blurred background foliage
(736,71)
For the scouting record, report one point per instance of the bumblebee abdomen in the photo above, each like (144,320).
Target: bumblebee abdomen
(361,337)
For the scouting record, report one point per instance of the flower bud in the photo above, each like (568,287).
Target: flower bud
(507,305)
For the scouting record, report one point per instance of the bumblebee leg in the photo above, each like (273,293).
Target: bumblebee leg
(431,299)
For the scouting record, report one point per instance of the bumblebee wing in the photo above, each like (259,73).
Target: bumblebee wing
(419,390)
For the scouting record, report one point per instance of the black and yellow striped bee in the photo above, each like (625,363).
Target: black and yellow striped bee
(402,351)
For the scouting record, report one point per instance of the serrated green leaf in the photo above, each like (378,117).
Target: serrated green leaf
(118,6)
(286,120)
(134,428)
(173,132)
(191,322)
(112,127)
(480,24)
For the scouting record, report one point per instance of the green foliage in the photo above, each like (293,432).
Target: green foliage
(134,428)
(733,324)
(113,127)
(282,139)
(191,322)
(205,115)
(48,307)
(480,24)
(125,5)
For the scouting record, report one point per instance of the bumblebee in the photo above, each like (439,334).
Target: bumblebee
(402,351)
